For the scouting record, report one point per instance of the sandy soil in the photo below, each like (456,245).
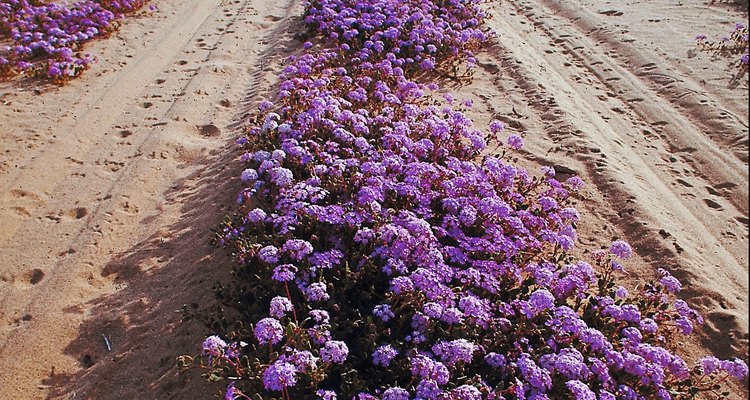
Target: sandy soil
(110,185)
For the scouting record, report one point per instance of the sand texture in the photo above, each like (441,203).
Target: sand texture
(110,185)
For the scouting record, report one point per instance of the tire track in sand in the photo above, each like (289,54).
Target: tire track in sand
(680,197)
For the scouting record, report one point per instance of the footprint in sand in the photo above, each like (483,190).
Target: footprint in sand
(20,193)
(22,211)
(69,215)
(28,201)
(34,276)
(714,205)
(111,166)
(209,130)
(25,318)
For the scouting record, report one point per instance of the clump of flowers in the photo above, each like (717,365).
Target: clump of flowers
(735,44)
(41,38)
(379,255)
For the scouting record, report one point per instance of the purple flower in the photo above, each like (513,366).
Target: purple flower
(580,390)
(402,284)
(427,65)
(478,309)
(425,367)
(53,71)
(269,254)
(496,360)
(684,325)
(249,175)
(605,395)
(709,365)
(256,215)
(468,215)
(327,259)
(595,339)
(685,311)
(284,273)
(297,249)
(536,377)
(648,325)
(334,351)
(281,177)
(279,375)
(569,363)
(632,335)
(621,249)
(317,292)
(575,183)
(496,126)
(320,316)
(213,346)
(268,330)
(395,393)
(326,394)
(541,300)
(428,389)
(383,355)
(265,105)
(383,311)
(465,392)
(515,142)
(303,360)
(670,283)
(455,351)
(232,393)
(432,310)
(735,367)
(280,306)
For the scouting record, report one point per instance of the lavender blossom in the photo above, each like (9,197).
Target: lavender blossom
(334,351)
(268,330)
(279,376)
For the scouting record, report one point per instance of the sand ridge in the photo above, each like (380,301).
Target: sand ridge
(110,185)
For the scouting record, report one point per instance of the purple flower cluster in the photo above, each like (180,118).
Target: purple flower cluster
(409,257)
(736,42)
(213,346)
(45,38)
(383,355)
(334,351)
(280,375)
(268,330)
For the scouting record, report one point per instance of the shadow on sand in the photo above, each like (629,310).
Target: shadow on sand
(174,268)
(144,330)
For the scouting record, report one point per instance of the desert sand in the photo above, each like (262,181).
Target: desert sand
(110,185)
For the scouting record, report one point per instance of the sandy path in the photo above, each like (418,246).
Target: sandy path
(109,186)
(660,135)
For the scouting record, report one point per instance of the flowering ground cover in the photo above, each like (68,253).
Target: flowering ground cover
(41,38)
(382,252)
(731,45)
